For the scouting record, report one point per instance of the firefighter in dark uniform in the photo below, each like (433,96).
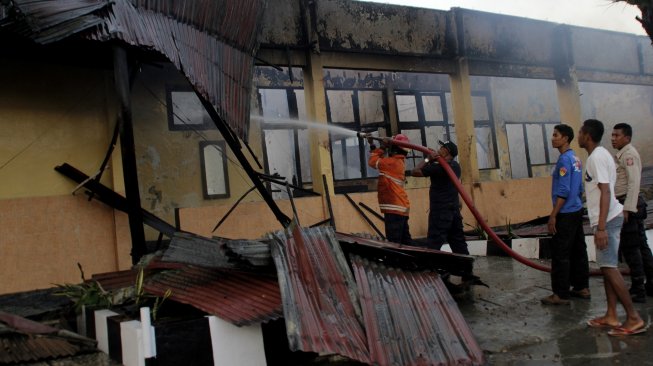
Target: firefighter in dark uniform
(445,221)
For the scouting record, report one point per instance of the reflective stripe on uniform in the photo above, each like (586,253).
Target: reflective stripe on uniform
(393,179)
(389,207)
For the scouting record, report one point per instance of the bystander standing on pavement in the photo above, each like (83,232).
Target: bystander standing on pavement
(633,246)
(569,264)
(606,218)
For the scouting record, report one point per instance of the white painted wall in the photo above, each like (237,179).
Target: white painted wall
(101,332)
(234,345)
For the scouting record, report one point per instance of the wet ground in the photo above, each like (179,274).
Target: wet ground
(514,328)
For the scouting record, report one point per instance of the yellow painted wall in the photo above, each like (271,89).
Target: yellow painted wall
(51,114)
(168,161)
(498,202)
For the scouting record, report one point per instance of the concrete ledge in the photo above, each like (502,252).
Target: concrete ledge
(534,248)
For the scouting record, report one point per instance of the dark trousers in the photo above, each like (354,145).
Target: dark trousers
(635,250)
(396,229)
(634,245)
(446,226)
(569,265)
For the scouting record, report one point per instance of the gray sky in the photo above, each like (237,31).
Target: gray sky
(602,14)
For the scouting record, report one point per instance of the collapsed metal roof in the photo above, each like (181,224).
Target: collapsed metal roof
(23,340)
(411,319)
(211,42)
(241,298)
(387,316)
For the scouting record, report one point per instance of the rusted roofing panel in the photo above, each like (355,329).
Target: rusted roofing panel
(116,280)
(217,61)
(211,42)
(319,295)
(23,340)
(411,319)
(241,298)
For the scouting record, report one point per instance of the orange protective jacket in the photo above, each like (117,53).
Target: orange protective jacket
(392,174)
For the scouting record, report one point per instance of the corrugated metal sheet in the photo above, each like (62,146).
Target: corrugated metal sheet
(216,253)
(319,295)
(211,42)
(411,319)
(23,340)
(241,298)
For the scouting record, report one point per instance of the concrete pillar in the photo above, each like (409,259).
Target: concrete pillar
(461,99)
(316,110)
(567,86)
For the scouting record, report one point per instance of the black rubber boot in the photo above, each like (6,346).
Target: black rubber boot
(637,290)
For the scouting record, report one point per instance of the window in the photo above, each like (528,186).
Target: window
(423,117)
(286,153)
(355,110)
(486,145)
(215,179)
(185,110)
(529,147)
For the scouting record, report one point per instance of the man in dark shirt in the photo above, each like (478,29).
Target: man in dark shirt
(445,220)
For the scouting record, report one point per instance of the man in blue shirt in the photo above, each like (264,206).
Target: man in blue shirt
(569,265)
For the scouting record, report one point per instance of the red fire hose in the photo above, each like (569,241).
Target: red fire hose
(470,204)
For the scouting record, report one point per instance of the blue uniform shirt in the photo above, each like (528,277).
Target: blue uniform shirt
(568,182)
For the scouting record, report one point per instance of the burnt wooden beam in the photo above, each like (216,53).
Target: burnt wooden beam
(109,197)
(128,151)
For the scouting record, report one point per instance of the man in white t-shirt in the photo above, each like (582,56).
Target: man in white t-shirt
(606,218)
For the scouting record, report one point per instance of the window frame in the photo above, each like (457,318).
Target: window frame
(223,148)
(488,123)
(207,123)
(421,122)
(293,113)
(547,155)
(357,126)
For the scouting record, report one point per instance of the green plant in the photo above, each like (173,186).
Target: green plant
(87,293)
(478,231)
(510,234)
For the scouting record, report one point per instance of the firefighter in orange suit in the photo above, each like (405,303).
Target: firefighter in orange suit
(393,200)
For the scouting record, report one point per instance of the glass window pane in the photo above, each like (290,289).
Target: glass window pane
(435,133)
(449,103)
(188,111)
(341,106)
(301,104)
(479,108)
(484,148)
(274,103)
(305,156)
(371,172)
(346,158)
(215,182)
(413,157)
(553,153)
(280,148)
(432,108)
(370,106)
(517,150)
(535,143)
(406,108)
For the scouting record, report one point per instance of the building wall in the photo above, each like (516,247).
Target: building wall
(494,200)
(52,114)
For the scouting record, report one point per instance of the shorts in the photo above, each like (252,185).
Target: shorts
(609,257)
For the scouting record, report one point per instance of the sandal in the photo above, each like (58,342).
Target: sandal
(620,331)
